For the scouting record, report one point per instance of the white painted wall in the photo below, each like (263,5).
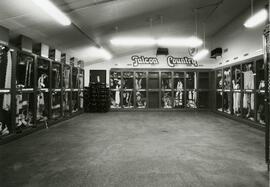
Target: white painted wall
(126,62)
(235,37)
(239,40)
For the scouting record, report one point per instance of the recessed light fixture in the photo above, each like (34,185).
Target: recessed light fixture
(53,11)
(133,41)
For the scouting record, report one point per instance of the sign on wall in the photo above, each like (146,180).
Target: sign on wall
(140,60)
(171,61)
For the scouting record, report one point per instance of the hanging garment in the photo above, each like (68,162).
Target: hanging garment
(237,74)
(66,102)
(41,80)
(227,80)
(252,102)
(77,82)
(40,105)
(26,74)
(127,99)
(248,101)
(57,79)
(195,80)
(194,96)
(189,95)
(236,101)
(179,89)
(3,66)
(229,101)
(248,80)
(40,98)
(170,83)
(262,85)
(117,95)
(236,98)
(124,99)
(19,105)
(245,101)
(260,114)
(8,70)
(29,75)
(138,84)
(81,100)
(66,77)
(179,86)
(7,97)
(3,129)
(178,98)
(81,81)
(167,100)
(181,99)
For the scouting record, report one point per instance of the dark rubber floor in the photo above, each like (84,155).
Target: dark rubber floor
(122,149)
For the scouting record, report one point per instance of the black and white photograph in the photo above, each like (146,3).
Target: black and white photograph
(134,93)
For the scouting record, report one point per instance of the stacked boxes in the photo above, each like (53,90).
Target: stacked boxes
(97,98)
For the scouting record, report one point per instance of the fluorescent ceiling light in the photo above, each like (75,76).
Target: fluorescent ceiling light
(53,11)
(170,42)
(256,19)
(180,42)
(133,41)
(201,54)
(100,53)
(105,54)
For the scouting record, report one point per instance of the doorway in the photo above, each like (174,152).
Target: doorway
(98,76)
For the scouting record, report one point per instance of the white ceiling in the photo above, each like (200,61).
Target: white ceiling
(104,19)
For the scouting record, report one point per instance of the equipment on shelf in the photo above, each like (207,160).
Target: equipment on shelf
(24,111)
(96,98)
